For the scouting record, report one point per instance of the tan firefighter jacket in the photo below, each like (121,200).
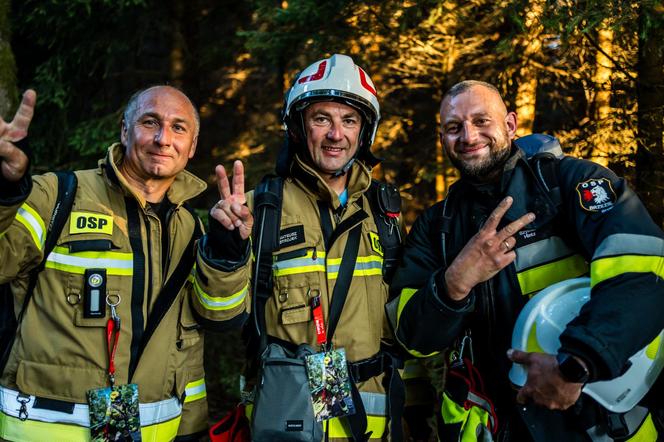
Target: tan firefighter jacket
(302,268)
(58,354)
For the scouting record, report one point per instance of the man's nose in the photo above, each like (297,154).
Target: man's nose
(163,136)
(469,133)
(335,133)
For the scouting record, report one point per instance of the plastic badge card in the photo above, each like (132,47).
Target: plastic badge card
(114,413)
(329,384)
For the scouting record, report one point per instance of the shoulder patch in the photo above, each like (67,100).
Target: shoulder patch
(88,222)
(596,195)
(376,245)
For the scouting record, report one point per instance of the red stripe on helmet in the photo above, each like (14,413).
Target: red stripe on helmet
(365,84)
(316,76)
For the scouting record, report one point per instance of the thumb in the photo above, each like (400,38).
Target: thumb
(520,357)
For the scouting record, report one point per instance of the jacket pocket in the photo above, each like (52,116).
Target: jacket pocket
(57,381)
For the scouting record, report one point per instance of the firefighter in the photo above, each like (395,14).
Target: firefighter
(508,228)
(103,313)
(331,114)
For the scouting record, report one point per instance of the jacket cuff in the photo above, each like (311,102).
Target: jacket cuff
(13,193)
(220,263)
(442,299)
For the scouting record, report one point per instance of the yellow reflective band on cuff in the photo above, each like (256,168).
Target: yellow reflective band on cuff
(195,390)
(537,278)
(339,428)
(607,268)
(219,302)
(29,217)
(404,297)
(647,432)
(115,263)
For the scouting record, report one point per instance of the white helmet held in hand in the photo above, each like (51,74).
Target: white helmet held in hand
(545,317)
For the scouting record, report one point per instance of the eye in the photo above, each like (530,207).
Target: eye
(350,122)
(452,129)
(150,122)
(320,120)
(179,128)
(481,121)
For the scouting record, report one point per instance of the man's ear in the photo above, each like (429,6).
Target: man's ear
(511,122)
(123,132)
(192,150)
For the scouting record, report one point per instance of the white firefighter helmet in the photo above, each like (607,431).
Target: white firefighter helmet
(339,79)
(545,317)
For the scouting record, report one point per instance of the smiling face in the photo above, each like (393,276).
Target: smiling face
(161,136)
(333,132)
(476,132)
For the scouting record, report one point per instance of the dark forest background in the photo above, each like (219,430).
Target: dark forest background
(590,72)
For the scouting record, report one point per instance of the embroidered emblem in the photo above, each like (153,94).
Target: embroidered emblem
(85,222)
(376,246)
(596,195)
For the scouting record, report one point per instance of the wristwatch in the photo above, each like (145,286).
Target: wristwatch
(571,369)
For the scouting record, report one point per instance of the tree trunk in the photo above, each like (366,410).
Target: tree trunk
(650,94)
(8,92)
(526,97)
(602,147)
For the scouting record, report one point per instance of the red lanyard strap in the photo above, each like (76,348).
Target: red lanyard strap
(112,338)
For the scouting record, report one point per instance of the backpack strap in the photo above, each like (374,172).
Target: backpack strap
(67,184)
(267,209)
(385,203)
(544,154)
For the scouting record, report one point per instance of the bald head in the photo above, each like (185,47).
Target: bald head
(129,115)
(487,89)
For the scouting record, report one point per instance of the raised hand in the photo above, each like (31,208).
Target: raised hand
(487,253)
(230,210)
(13,161)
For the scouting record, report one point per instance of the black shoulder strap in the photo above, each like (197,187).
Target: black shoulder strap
(546,168)
(171,288)
(385,203)
(67,183)
(267,209)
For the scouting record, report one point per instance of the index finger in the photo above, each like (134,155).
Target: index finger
(18,128)
(222,182)
(498,213)
(238,178)
(513,227)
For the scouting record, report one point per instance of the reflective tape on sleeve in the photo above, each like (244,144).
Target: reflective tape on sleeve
(29,217)
(195,390)
(607,268)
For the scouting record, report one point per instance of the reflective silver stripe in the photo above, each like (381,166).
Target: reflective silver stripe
(334,268)
(27,216)
(305,264)
(630,244)
(151,413)
(374,403)
(541,252)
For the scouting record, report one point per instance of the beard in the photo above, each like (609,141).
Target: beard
(486,168)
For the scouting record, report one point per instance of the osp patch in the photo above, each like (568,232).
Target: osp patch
(376,245)
(85,222)
(596,195)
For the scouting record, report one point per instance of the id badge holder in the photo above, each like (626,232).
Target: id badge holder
(329,384)
(114,410)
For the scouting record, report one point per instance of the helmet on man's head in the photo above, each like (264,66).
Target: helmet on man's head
(545,317)
(337,79)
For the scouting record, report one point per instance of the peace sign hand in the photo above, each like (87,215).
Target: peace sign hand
(230,210)
(13,161)
(487,253)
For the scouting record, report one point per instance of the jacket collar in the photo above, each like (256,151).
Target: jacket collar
(358,182)
(185,187)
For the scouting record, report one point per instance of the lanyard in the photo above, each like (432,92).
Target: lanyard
(112,338)
(319,322)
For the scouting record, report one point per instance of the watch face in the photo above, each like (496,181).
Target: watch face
(571,369)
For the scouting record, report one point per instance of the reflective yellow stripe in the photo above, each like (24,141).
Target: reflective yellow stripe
(29,217)
(533,344)
(300,269)
(470,420)
(606,268)
(115,263)
(300,264)
(404,297)
(647,432)
(537,278)
(452,412)
(340,428)
(219,302)
(12,428)
(653,348)
(195,390)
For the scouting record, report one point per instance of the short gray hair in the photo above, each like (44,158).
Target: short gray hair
(129,113)
(463,86)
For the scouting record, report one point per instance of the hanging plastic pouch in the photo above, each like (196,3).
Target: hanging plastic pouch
(114,413)
(283,410)
(329,384)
